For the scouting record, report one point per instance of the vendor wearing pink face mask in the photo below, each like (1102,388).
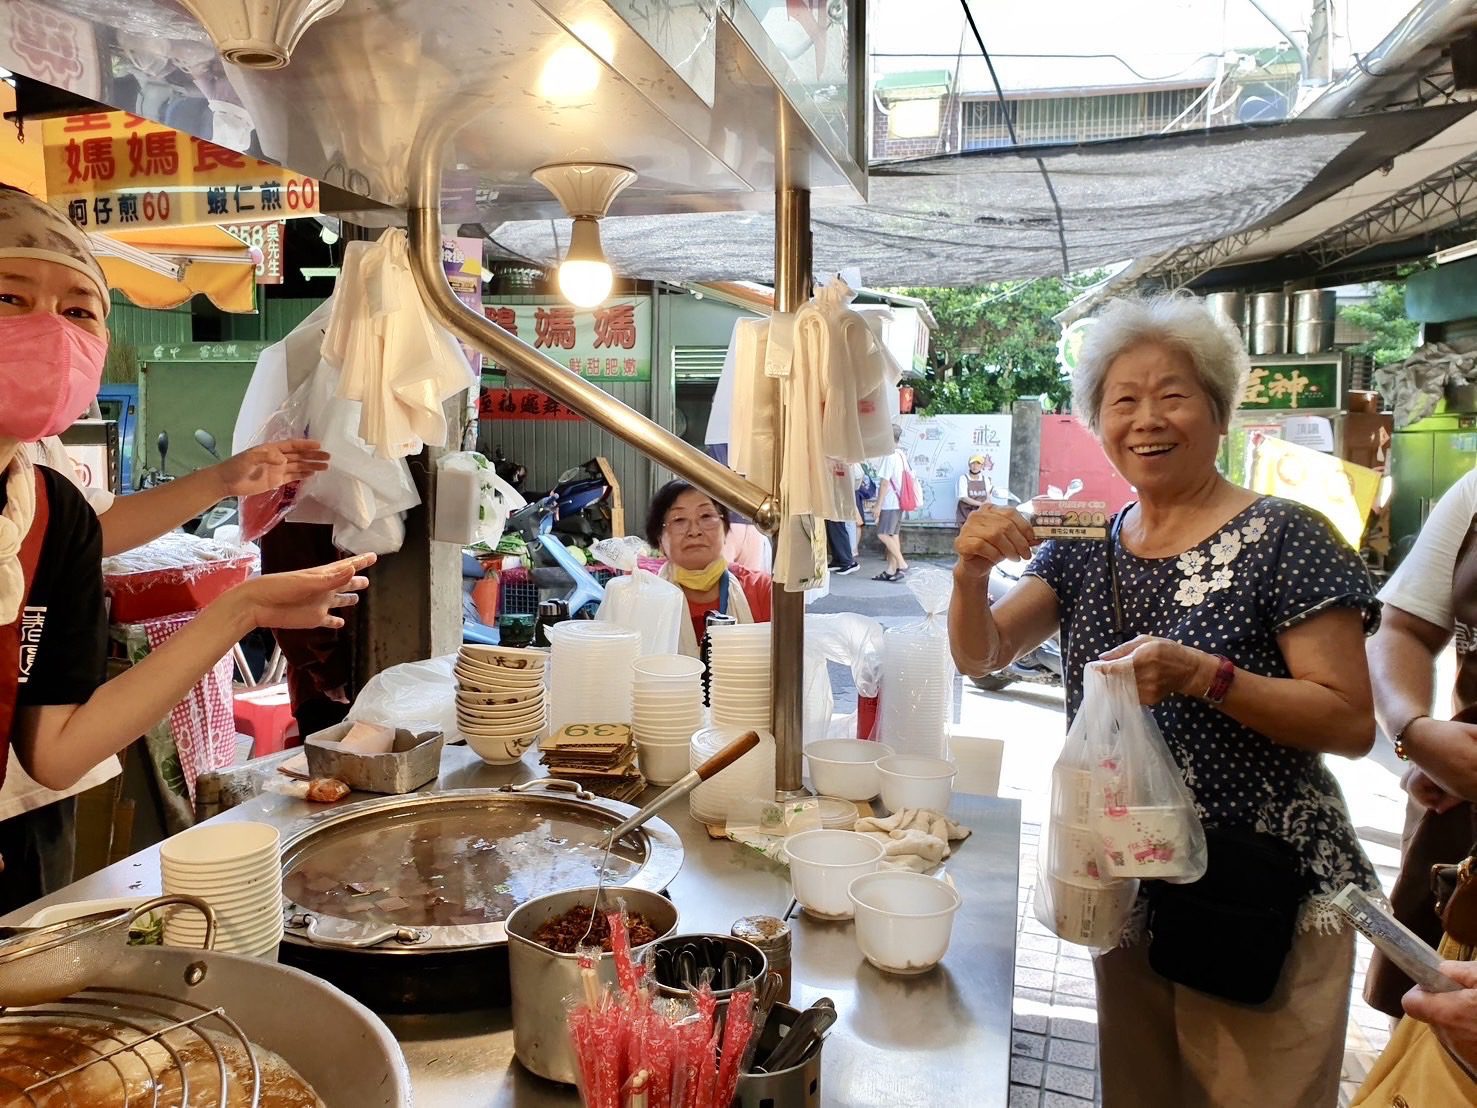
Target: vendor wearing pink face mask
(54,707)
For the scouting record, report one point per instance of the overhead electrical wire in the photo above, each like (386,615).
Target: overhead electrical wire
(1009,114)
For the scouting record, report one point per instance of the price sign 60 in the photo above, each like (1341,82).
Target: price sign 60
(302,195)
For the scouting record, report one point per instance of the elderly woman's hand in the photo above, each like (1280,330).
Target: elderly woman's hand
(1452,1015)
(992,535)
(1163,667)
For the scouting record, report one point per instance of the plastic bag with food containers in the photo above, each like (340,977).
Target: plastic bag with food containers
(1120,813)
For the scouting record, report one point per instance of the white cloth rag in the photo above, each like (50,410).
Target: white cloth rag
(915,839)
(15,524)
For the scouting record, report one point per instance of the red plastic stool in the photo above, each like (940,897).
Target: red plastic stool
(266,715)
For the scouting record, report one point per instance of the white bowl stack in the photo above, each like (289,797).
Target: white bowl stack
(917,692)
(666,710)
(590,673)
(739,681)
(236,868)
(500,702)
(724,794)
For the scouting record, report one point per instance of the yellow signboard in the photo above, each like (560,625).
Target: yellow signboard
(1341,490)
(111,171)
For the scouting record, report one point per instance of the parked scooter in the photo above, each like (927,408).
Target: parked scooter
(581,498)
(223,515)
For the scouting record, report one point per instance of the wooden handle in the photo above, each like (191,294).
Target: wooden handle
(728,755)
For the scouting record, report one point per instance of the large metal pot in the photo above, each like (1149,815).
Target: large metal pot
(1230,306)
(542,979)
(1313,319)
(1267,323)
(463,860)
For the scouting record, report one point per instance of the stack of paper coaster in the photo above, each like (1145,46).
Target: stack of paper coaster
(601,757)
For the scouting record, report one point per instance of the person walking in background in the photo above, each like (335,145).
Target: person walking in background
(841,559)
(890,471)
(973,490)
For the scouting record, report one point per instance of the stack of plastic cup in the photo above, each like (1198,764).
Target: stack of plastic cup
(590,672)
(917,691)
(666,709)
(236,868)
(726,795)
(739,684)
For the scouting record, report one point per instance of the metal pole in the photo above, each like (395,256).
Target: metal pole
(792,266)
(597,406)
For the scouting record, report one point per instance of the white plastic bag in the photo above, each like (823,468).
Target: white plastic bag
(418,696)
(1142,811)
(640,601)
(472,501)
(918,672)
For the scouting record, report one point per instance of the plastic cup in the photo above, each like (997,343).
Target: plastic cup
(903,920)
(824,863)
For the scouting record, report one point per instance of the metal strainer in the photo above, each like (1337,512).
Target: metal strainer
(42,964)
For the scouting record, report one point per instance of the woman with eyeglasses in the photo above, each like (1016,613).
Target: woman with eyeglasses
(688,526)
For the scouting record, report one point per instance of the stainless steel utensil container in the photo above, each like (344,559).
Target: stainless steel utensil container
(797,1087)
(541,979)
(412,761)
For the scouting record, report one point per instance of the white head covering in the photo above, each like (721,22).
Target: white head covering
(30,228)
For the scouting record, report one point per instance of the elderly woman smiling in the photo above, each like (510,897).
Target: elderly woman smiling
(1244,617)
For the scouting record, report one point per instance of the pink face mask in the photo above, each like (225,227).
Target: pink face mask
(50,370)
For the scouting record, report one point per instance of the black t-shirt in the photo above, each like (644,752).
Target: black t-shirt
(64,626)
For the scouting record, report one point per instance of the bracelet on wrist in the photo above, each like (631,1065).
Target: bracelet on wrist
(1220,684)
(1398,738)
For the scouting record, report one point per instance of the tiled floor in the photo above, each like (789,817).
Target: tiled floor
(1055,1036)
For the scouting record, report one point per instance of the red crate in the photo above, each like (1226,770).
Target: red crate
(165,592)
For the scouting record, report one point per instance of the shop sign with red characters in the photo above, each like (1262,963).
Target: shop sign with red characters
(500,404)
(115,171)
(606,344)
(267,238)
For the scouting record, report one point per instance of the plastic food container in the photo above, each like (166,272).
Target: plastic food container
(1089,914)
(662,763)
(1077,855)
(1071,796)
(823,865)
(1146,842)
(154,594)
(846,767)
(913,781)
(903,920)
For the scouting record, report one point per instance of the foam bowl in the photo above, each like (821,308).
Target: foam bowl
(903,920)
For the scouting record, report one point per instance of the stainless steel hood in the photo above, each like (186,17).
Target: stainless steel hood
(684,92)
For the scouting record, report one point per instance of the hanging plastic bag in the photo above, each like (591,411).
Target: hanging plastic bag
(640,601)
(262,511)
(1142,811)
(855,642)
(472,501)
(918,672)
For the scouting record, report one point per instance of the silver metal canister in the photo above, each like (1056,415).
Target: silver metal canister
(1267,323)
(541,978)
(772,936)
(1229,306)
(1313,317)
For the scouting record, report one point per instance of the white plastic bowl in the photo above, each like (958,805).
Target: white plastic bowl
(913,781)
(846,767)
(903,920)
(662,763)
(661,669)
(823,865)
(235,841)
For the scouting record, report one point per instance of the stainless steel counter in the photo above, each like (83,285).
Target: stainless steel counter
(940,1038)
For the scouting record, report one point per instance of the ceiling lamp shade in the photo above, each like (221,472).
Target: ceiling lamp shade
(258,34)
(586,191)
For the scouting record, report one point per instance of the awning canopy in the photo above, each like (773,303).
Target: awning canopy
(160,267)
(1027,212)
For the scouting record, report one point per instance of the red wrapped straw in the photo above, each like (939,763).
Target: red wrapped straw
(737,1030)
(620,949)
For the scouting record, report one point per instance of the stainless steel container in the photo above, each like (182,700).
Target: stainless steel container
(1230,306)
(541,978)
(796,1087)
(413,760)
(1313,315)
(1267,323)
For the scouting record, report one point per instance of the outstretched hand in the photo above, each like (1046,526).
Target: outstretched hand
(270,466)
(307,597)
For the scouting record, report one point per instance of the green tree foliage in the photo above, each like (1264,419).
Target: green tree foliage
(995,342)
(1392,336)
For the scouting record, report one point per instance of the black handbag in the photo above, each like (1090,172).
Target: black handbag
(1229,933)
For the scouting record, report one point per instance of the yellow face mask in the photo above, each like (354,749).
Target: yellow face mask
(700,580)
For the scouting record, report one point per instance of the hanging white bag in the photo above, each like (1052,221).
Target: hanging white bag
(640,601)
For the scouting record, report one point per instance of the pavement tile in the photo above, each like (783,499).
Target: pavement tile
(1025,1045)
(1061,1100)
(1026,1071)
(1038,995)
(1083,988)
(1077,967)
(1034,1022)
(1063,1027)
(1029,978)
(1024,1096)
(1071,1053)
(1073,1082)
(1036,959)
(1038,942)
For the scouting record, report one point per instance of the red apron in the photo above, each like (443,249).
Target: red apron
(10,634)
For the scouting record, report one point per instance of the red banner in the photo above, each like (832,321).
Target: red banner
(520,404)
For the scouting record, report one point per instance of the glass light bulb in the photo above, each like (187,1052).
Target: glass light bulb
(585,283)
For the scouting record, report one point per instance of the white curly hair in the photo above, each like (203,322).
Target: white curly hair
(1178,320)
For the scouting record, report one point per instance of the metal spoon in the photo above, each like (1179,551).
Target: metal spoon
(812,1025)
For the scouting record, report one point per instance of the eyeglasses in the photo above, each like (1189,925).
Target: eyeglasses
(708,521)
